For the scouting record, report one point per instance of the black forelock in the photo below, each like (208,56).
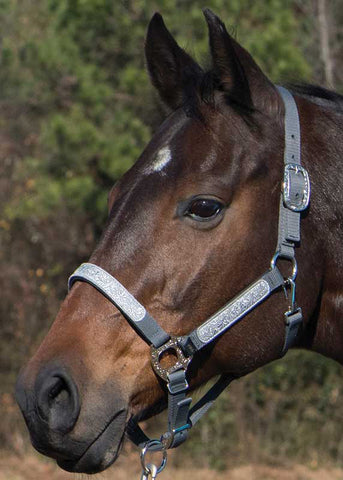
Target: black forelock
(201,88)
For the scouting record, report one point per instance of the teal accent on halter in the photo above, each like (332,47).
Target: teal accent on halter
(184,427)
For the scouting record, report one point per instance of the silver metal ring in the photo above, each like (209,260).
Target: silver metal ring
(147,448)
(295,269)
(275,258)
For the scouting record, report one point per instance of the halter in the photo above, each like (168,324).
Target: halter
(295,197)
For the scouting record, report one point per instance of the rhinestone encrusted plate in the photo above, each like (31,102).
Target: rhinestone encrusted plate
(233,311)
(113,289)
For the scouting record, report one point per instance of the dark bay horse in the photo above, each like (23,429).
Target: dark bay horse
(190,225)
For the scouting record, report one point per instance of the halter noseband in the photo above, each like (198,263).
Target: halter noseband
(295,197)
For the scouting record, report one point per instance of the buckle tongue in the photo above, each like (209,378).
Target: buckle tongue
(296,187)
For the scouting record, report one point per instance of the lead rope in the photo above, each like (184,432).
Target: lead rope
(294,199)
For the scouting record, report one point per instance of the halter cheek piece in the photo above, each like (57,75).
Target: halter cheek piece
(294,199)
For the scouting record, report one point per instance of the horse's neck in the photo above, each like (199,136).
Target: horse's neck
(324,159)
(328,326)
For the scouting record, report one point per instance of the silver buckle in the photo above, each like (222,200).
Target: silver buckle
(296,187)
(181,361)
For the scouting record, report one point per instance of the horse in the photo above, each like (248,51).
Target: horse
(190,226)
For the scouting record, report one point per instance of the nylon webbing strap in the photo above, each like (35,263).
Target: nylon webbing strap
(204,404)
(178,416)
(234,311)
(293,320)
(292,128)
(294,199)
(126,303)
(288,232)
(289,221)
(139,438)
(178,407)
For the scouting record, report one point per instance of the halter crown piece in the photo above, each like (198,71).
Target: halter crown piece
(295,197)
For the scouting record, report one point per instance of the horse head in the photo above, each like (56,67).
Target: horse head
(190,225)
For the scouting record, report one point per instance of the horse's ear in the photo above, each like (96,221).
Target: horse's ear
(168,64)
(239,76)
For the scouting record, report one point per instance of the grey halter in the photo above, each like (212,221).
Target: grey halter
(294,199)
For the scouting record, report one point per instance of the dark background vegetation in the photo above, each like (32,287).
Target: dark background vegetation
(76,109)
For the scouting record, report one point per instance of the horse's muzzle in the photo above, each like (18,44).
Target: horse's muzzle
(51,406)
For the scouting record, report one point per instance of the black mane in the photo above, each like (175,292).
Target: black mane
(319,95)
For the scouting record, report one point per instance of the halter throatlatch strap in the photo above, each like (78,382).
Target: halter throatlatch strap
(295,195)
(294,199)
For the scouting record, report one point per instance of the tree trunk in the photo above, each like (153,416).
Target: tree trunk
(324,28)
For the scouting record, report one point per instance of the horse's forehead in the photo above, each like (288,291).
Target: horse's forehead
(161,151)
(160,160)
(180,143)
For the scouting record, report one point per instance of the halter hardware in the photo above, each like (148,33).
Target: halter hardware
(296,187)
(157,353)
(150,468)
(294,274)
(294,199)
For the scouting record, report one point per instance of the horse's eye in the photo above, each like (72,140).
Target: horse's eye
(204,209)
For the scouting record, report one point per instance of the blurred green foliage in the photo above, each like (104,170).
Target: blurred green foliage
(76,69)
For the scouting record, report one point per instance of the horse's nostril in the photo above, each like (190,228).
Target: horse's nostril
(59,392)
(57,400)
